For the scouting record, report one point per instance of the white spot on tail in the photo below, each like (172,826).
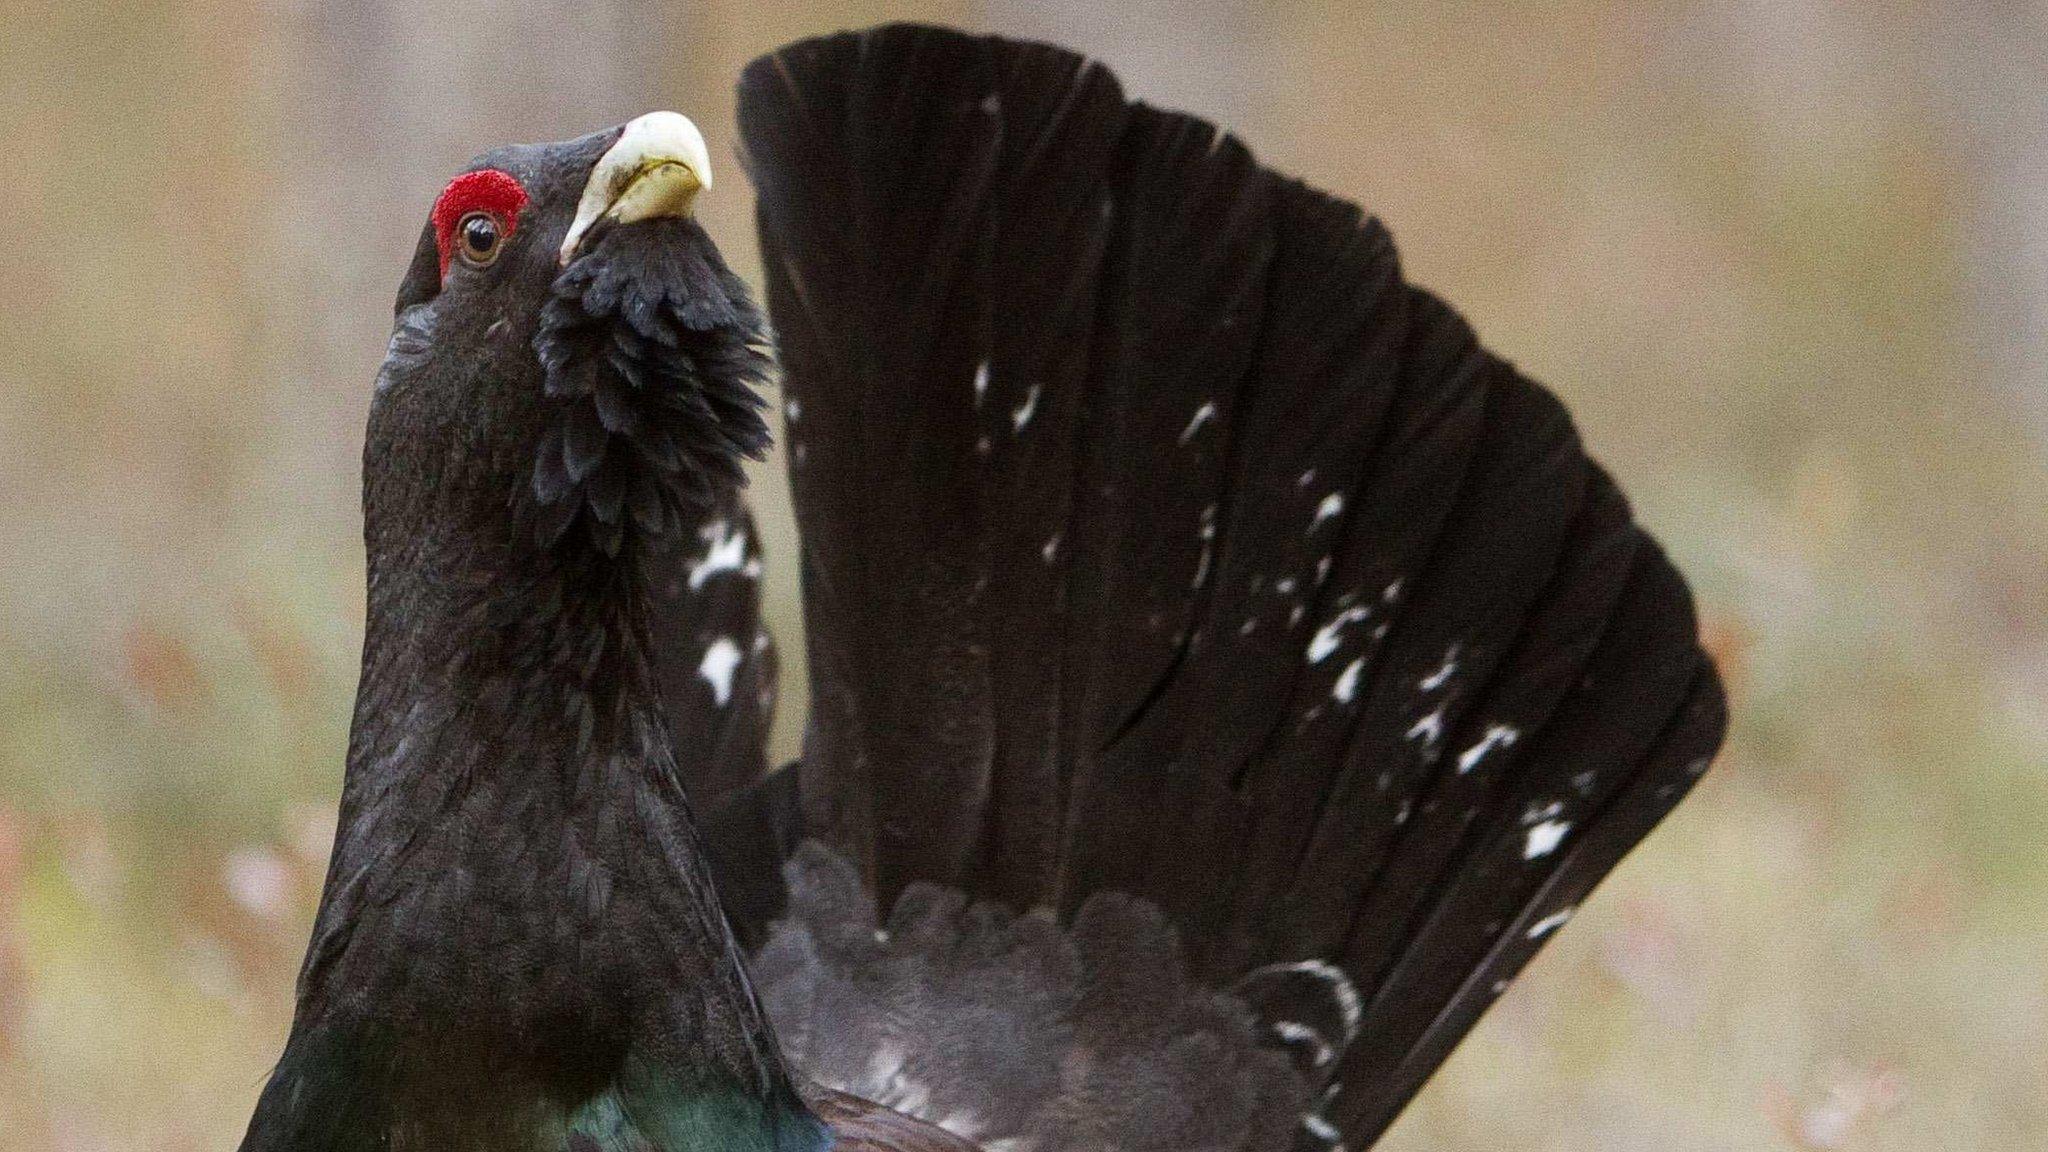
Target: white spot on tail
(1051,551)
(1323,1130)
(726,551)
(719,662)
(1295,1032)
(1429,729)
(1327,637)
(1442,675)
(1025,411)
(980,383)
(792,410)
(1332,505)
(1207,533)
(1348,1004)
(1497,736)
(1203,415)
(1347,684)
(1544,838)
(1550,923)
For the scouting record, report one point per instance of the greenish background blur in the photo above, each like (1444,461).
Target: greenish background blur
(1787,259)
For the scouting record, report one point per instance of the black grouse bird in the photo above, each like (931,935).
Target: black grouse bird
(1225,673)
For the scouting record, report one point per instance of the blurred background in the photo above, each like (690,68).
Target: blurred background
(1787,260)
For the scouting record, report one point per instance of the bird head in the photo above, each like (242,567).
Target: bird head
(572,367)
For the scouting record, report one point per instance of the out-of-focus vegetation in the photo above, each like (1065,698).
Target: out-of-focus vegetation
(1776,254)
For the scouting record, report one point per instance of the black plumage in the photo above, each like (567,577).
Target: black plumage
(652,349)
(1160,540)
(1225,672)
(519,945)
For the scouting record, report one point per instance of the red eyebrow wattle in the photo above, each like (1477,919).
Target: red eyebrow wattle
(486,190)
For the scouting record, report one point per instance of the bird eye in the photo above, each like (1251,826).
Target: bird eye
(477,238)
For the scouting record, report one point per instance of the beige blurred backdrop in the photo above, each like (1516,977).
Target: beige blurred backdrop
(1787,259)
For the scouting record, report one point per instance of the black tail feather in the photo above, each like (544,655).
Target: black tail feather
(884,232)
(1159,538)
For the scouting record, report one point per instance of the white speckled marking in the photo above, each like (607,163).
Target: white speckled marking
(1544,838)
(1203,415)
(980,383)
(1443,674)
(1347,684)
(719,662)
(1429,729)
(727,552)
(1025,411)
(1332,505)
(1294,1032)
(1327,637)
(1497,736)
(1348,1003)
(1550,923)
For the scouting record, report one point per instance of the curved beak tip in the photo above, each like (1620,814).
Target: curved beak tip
(656,168)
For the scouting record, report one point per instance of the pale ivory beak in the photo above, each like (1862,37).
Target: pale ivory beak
(656,168)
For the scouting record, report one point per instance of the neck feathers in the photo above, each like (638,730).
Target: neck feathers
(519,931)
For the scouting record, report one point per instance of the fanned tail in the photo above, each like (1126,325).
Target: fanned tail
(1159,538)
